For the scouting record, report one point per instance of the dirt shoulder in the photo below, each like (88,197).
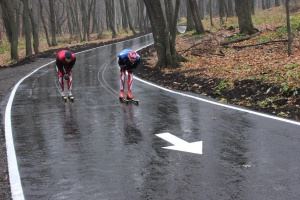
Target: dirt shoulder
(249,73)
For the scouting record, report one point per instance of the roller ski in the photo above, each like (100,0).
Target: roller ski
(67,97)
(128,99)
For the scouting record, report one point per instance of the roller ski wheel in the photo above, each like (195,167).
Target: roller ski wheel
(71,98)
(65,98)
(123,100)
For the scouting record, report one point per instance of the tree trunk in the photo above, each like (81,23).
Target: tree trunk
(277,3)
(263,4)
(35,32)
(27,28)
(221,11)
(252,4)
(129,17)
(76,18)
(110,16)
(202,9)
(52,23)
(141,17)
(196,16)
(9,17)
(44,23)
(268,4)
(89,15)
(59,18)
(190,21)
(166,52)
(124,16)
(70,22)
(172,16)
(243,11)
(287,5)
(210,13)
(84,19)
(230,8)
(95,20)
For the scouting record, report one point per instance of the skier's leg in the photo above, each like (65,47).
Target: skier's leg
(70,83)
(60,77)
(129,84)
(122,83)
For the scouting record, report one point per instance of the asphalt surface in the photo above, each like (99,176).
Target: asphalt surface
(97,148)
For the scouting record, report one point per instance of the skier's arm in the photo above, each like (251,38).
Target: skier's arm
(137,62)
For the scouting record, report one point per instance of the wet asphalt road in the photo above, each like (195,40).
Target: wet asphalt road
(97,148)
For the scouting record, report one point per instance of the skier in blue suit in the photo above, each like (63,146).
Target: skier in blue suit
(127,60)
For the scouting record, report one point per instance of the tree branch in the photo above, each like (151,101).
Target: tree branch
(263,43)
(226,43)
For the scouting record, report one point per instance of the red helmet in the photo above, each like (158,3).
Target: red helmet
(132,55)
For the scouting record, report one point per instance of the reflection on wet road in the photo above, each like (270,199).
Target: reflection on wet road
(97,148)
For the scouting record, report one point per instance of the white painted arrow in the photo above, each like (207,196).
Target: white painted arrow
(181,145)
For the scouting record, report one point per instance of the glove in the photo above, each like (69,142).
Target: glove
(66,77)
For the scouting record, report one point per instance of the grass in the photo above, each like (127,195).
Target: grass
(222,86)
(236,37)
(4,47)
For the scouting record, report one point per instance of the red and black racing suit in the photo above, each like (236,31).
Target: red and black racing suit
(64,68)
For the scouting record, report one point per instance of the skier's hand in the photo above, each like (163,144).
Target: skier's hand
(66,77)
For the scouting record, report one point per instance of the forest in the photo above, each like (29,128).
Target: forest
(30,26)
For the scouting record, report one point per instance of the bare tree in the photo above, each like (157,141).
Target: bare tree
(196,16)
(287,6)
(9,16)
(84,20)
(124,16)
(243,11)
(129,17)
(35,31)
(230,8)
(190,21)
(44,23)
(141,16)
(27,27)
(210,13)
(110,16)
(52,23)
(164,31)
(221,11)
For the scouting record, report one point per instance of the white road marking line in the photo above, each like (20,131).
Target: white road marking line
(14,175)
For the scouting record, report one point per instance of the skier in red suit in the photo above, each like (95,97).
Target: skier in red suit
(65,61)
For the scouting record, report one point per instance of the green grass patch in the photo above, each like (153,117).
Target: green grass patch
(265,103)
(295,26)
(222,86)
(264,38)
(292,66)
(236,37)
(285,88)
(4,47)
